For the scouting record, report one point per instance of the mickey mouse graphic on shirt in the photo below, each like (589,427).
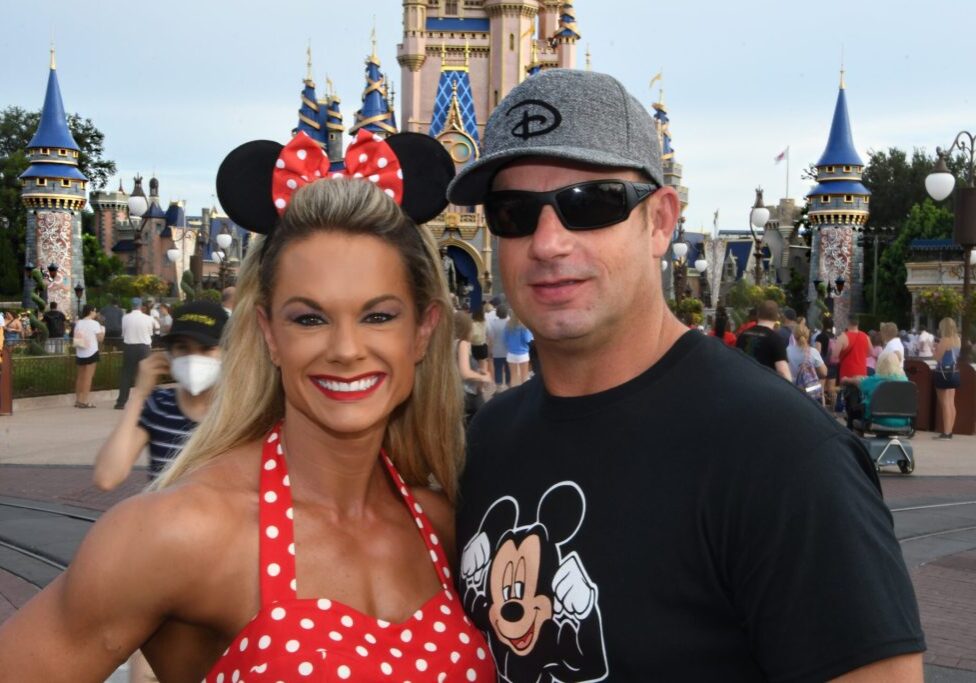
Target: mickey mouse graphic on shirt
(531,593)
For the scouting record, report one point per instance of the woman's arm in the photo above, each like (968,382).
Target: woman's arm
(119,588)
(464,364)
(119,452)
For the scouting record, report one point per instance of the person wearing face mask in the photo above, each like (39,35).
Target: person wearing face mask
(162,418)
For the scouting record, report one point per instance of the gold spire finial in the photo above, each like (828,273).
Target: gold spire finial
(589,65)
(53,63)
(329,87)
(372,37)
(467,52)
(308,64)
(843,86)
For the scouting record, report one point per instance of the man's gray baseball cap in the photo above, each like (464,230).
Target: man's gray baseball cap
(566,114)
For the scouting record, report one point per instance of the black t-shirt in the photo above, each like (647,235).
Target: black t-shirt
(703,521)
(823,344)
(55,323)
(765,345)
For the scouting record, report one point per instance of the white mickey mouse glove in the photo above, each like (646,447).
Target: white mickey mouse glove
(475,559)
(574,592)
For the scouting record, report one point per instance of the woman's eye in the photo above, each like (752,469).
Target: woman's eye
(379,317)
(308,319)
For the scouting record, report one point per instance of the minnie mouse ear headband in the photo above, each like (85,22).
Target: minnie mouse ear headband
(256,181)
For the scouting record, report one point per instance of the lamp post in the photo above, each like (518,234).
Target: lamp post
(758,217)
(680,250)
(939,184)
(138,206)
(878,233)
(79,292)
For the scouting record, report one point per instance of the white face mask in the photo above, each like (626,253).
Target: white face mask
(196,374)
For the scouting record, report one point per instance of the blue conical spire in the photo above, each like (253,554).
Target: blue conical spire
(375,115)
(53,128)
(840,145)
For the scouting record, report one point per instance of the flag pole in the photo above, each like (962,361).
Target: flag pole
(787,171)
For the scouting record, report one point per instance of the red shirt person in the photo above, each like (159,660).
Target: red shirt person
(854,349)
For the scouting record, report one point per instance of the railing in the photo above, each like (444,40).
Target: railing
(49,368)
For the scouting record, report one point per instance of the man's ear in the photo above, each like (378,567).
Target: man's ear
(264,321)
(663,208)
(428,323)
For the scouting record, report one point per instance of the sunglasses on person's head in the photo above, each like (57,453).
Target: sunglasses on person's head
(583,206)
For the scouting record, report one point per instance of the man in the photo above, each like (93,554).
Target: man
(55,321)
(495,331)
(227,299)
(764,343)
(112,316)
(137,332)
(787,325)
(610,530)
(853,349)
(926,343)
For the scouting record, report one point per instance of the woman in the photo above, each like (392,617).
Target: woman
(806,365)
(472,376)
(721,328)
(88,333)
(334,414)
(165,319)
(889,369)
(891,342)
(479,337)
(517,340)
(12,329)
(875,352)
(946,376)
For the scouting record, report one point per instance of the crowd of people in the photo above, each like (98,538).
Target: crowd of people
(329,517)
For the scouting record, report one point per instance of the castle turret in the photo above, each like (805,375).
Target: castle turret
(111,210)
(54,191)
(309,114)
(671,168)
(512,23)
(566,36)
(333,126)
(837,209)
(375,114)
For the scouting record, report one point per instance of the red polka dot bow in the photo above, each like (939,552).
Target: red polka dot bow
(303,161)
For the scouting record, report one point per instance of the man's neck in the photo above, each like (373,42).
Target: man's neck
(766,323)
(572,369)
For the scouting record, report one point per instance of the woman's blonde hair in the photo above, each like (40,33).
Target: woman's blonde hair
(947,329)
(463,325)
(801,333)
(424,436)
(889,364)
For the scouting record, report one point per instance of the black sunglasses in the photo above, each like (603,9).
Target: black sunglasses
(583,206)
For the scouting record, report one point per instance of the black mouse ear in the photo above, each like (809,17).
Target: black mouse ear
(244,185)
(561,511)
(427,170)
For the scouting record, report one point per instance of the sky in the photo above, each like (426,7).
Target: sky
(174,86)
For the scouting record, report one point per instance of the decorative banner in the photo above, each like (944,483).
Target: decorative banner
(54,246)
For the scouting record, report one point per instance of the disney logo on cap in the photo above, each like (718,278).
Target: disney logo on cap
(538,118)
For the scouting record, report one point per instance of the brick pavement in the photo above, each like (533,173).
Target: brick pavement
(946,591)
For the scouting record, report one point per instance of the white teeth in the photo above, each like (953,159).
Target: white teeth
(358,385)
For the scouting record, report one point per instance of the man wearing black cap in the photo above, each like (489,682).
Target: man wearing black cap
(163,417)
(609,532)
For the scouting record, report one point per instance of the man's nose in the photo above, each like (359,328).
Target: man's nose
(551,239)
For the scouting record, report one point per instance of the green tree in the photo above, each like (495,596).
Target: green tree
(17,127)
(99,266)
(926,220)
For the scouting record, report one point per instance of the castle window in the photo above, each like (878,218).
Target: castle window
(450,7)
(74,153)
(848,199)
(41,182)
(511,41)
(65,183)
(866,200)
(825,199)
(45,150)
(496,98)
(847,169)
(831,169)
(62,152)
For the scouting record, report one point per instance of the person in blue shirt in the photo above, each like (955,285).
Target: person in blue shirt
(517,340)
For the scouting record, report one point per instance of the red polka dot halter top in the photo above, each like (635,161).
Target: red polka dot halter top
(323,640)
